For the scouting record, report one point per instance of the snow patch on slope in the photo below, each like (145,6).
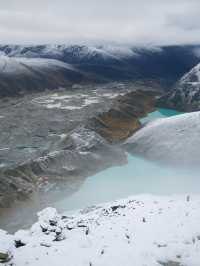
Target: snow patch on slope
(16,65)
(193,76)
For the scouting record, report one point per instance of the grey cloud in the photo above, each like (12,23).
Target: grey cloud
(134,22)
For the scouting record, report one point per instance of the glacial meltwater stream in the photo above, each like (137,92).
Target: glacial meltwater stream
(138,176)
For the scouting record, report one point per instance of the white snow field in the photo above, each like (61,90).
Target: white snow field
(141,231)
(173,140)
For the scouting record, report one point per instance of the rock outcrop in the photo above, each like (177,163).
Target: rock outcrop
(6,247)
(121,121)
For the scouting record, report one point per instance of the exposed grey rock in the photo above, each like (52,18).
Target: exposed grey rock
(5,256)
(170,263)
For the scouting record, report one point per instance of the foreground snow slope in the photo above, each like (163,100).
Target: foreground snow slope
(174,140)
(139,231)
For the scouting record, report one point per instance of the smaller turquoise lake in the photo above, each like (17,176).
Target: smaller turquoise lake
(139,176)
(160,113)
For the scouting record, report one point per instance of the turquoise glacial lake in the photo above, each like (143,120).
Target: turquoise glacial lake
(139,176)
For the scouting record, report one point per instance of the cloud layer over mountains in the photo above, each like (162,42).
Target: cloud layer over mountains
(132,22)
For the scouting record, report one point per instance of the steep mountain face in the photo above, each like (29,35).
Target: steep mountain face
(186,95)
(20,75)
(164,65)
(174,141)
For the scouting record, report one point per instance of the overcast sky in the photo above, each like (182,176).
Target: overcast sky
(134,22)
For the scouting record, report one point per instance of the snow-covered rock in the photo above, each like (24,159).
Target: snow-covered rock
(6,247)
(173,140)
(142,230)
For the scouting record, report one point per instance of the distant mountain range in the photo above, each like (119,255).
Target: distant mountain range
(106,63)
(160,65)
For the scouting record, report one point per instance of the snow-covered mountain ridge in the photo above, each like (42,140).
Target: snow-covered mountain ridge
(16,65)
(186,94)
(192,77)
(25,75)
(81,51)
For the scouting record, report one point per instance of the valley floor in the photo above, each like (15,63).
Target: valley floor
(141,231)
